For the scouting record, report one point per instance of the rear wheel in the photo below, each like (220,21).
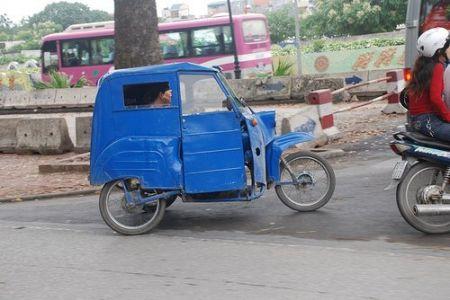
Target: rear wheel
(124,218)
(311,183)
(409,191)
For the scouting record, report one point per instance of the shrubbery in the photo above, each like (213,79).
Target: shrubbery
(325,46)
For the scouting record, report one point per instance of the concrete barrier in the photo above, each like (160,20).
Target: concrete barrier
(83,128)
(395,85)
(306,120)
(275,88)
(302,86)
(43,136)
(322,100)
(8,138)
(49,98)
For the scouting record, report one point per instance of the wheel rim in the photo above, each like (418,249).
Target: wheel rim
(133,218)
(422,178)
(313,177)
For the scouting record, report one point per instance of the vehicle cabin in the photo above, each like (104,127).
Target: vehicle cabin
(192,141)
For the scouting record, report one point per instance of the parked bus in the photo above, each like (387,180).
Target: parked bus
(88,49)
(421,16)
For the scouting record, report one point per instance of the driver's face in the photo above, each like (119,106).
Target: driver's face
(167,96)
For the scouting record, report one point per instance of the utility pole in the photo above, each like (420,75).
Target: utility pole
(237,69)
(297,38)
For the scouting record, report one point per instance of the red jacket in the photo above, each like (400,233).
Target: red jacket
(431,101)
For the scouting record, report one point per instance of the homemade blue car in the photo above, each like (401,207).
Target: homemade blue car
(179,131)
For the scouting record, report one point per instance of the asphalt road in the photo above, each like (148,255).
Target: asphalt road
(356,247)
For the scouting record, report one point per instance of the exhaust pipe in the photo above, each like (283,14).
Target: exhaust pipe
(431,210)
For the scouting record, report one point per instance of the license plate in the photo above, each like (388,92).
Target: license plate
(399,169)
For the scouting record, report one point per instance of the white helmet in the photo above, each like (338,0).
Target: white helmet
(431,41)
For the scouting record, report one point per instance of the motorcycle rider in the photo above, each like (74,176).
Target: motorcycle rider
(429,114)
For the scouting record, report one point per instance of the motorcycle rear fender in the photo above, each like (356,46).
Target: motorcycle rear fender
(275,149)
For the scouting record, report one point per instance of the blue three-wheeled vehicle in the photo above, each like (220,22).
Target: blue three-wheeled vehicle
(179,131)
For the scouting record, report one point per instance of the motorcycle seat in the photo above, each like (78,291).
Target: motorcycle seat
(423,140)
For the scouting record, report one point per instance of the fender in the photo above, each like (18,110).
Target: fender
(155,161)
(276,148)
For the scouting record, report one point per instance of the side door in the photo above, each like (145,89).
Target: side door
(212,147)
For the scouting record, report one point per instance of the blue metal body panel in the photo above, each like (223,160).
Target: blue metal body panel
(142,143)
(213,154)
(276,148)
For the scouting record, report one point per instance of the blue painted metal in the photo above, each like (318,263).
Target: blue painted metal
(136,198)
(163,149)
(276,148)
(353,80)
(143,143)
(427,153)
(257,147)
(213,153)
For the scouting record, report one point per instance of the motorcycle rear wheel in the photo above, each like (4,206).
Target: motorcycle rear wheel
(123,219)
(317,182)
(419,176)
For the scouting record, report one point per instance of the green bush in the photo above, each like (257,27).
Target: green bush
(284,68)
(20,58)
(325,46)
(59,80)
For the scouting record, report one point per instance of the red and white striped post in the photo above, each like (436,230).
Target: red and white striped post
(322,99)
(395,84)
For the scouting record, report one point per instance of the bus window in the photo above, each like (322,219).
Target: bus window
(50,57)
(227,39)
(102,51)
(254,31)
(174,44)
(206,41)
(75,53)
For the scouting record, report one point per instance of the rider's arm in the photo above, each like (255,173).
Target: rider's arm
(436,89)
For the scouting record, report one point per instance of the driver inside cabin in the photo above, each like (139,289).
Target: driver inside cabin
(163,97)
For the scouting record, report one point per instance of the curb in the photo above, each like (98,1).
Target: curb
(48,196)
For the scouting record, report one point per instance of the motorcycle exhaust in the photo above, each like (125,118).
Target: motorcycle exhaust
(431,210)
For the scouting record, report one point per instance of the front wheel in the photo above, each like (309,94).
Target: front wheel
(410,192)
(124,218)
(307,181)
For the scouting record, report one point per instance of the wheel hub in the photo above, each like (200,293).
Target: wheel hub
(306,179)
(429,194)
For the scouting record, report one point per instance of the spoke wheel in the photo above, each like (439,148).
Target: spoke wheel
(127,219)
(419,177)
(315,182)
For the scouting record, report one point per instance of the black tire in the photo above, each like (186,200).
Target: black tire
(115,225)
(407,197)
(325,196)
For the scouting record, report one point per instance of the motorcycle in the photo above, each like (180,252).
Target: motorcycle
(423,191)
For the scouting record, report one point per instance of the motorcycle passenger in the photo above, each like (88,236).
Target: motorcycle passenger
(428,111)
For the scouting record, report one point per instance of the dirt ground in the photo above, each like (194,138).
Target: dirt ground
(19,174)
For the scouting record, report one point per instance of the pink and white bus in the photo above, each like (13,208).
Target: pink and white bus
(88,49)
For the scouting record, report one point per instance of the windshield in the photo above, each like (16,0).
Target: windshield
(240,103)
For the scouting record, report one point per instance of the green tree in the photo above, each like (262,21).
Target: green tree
(64,14)
(136,34)
(354,17)
(281,24)
(5,23)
